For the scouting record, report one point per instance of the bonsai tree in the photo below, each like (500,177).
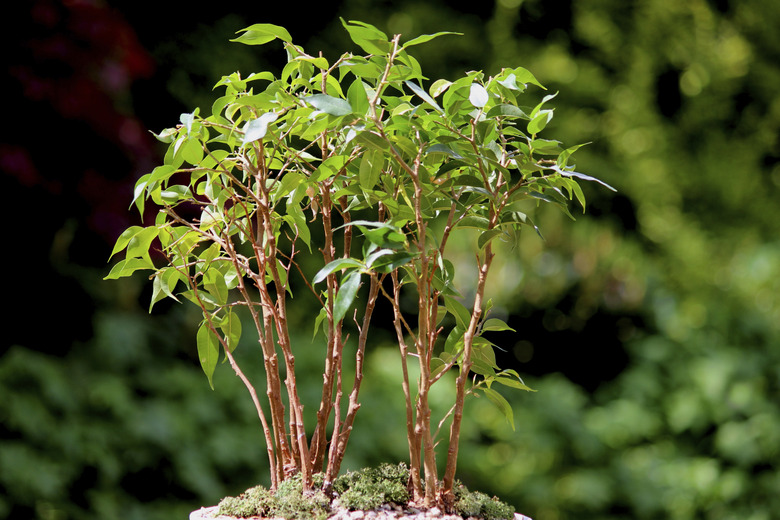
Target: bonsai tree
(357,168)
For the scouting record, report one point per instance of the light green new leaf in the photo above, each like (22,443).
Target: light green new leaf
(439,86)
(138,246)
(502,404)
(208,351)
(261,33)
(329,104)
(346,295)
(125,238)
(128,267)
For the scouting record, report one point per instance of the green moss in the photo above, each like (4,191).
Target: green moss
(289,501)
(371,487)
(362,490)
(477,504)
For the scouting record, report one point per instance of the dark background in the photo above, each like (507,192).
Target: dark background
(650,326)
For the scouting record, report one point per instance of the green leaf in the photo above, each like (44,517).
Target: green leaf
(192,151)
(329,104)
(505,110)
(496,324)
(257,128)
(125,238)
(261,33)
(459,311)
(335,265)
(487,236)
(424,95)
(513,383)
(231,328)
(346,295)
(478,96)
(138,246)
(370,168)
(128,267)
(539,121)
(428,37)
(358,99)
(525,76)
(368,37)
(501,403)
(208,351)
(439,86)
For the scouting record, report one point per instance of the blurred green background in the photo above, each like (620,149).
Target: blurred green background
(650,327)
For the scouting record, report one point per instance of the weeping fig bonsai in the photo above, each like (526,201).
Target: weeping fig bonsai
(363,168)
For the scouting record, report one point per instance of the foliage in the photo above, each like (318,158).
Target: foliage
(369,488)
(361,143)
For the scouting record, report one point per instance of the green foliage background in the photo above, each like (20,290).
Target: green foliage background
(650,327)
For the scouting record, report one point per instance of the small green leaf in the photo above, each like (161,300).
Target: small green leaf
(261,33)
(208,351)
(329,104)
(346,295)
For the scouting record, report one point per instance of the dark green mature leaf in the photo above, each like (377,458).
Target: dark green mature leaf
(208,351)
(346,295)
(261,33)
(329,104)
(487,236)
(370,168)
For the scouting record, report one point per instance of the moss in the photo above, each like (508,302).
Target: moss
(477,504)
(363,490)
(371,487)
(289,501)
